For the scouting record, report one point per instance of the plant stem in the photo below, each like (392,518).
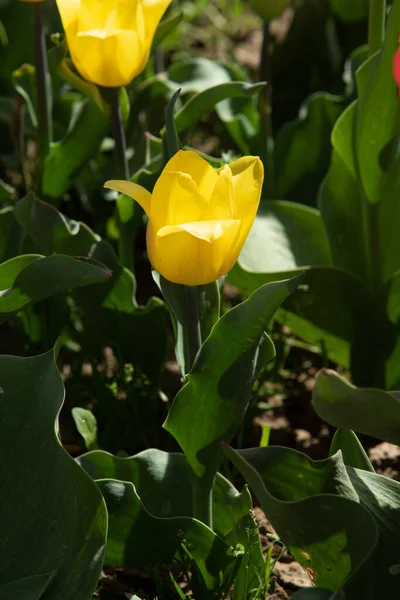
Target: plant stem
(193,331)
(265,109)
(376,25)
(126,230)
(43,104)
(201,491)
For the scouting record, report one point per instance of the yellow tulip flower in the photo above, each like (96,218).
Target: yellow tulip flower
(199,218)
(110,40)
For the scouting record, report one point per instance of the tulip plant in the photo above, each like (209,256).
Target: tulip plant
(103,150)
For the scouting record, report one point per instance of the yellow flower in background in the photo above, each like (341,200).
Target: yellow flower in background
(110,40)
(199,218)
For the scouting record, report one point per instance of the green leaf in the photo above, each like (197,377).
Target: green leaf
(341,211)
(378,110)
(303,148)
(315,511)
(112,316)
(58,534)
(204,101)
(345,406)
(86,424)
(111,313)
(129,520)
(67,156)
(285,238)
(216,396)
(353,453)
(163,484)
(29,588)
(350,11)
(38,277)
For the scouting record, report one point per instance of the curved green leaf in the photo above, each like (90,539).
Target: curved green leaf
(39,277)
(163,484)
(219,386)
(352,451)
(65,520)
(29,588)
(316,512)
(131,522)
(370,411)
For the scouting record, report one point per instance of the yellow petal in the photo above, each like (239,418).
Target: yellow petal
(69,13)
(201,172)
(133,190)
(185,257)
(127,14)
(209,231)
(153,11)
(175,200)
(222,203)
(110,59)
(94,13)
(248,177)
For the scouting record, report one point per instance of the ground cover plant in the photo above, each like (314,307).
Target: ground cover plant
(194,196)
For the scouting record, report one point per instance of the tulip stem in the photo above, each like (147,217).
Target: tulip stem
(126,230)
(193,331)
(376,25)
(43,92)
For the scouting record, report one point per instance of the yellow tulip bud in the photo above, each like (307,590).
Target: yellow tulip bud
(110,40)
(199,218)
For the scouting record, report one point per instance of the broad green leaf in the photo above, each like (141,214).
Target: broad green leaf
(341,212)
(370,411)
(381,496)
(350,11)
(130,521)
(111,313)
(285,237)
(39,277)
(162,481)
(163,484)
(58,534)
(112,316)
(86,424)
(219,385)
(378,109)
(327,310)
(51,230)
(200,104)
(314,508)
(353,453)
(29,588)
(197,75)
(303,149)
(70,154)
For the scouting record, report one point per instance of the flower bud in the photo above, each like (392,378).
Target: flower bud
(199,218)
